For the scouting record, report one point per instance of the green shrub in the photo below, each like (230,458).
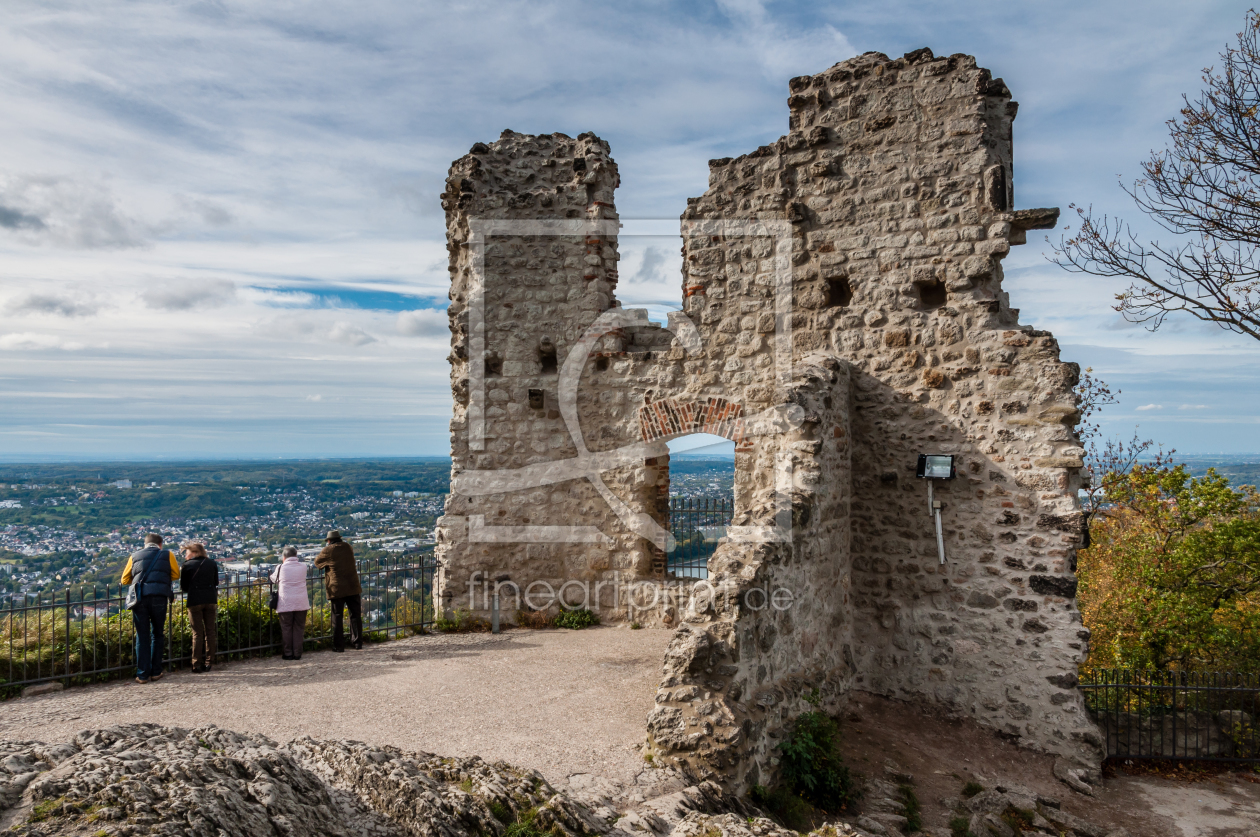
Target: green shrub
(1018,819)
(811,764)
(914,811)
(960,827)
(576,619)
(461,622)
(812,773)
(786,807)
(971,789)
(525,826)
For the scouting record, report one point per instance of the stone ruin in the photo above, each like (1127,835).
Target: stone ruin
(843,312)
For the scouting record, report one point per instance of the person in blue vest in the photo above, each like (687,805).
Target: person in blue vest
(154,569)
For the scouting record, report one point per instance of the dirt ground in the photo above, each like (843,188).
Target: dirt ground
(560,702)
(944,754)
(572,705)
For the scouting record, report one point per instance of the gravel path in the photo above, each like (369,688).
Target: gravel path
(561,702)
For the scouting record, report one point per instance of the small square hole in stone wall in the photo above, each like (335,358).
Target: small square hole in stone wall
(601,364)
(535,399)
(932,295)
(839,294)
(494,365)
(547,357)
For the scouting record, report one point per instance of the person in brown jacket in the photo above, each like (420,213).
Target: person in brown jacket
(341,580)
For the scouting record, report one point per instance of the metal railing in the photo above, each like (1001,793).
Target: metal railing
(697,523)
(88,635)
(1208,715)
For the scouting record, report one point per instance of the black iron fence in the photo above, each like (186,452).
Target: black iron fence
(697,523)
(87,635)
(1209,715)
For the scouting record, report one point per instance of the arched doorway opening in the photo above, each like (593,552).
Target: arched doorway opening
(701,501)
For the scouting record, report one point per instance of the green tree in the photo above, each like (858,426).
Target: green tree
(1172,578)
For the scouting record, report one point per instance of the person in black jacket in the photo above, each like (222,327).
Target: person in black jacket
(153,571)
(199,580)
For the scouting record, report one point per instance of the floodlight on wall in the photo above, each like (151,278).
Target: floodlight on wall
(933,467)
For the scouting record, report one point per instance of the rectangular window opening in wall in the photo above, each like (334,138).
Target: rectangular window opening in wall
(536,399)
(839,294)
(494,365)
(933,294)
(547,357)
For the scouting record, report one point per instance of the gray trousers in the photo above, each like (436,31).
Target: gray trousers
(292,629)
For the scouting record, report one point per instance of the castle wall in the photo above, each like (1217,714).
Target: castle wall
(843,313)
(896,176)
(531,229)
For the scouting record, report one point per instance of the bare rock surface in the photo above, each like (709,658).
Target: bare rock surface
(148,779)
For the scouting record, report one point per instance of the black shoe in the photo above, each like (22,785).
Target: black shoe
(197,669)
(358,646)
(339,650)
(286,657)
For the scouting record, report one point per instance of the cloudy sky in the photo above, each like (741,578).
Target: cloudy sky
(220,232)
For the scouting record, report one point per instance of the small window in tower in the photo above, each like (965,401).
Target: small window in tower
(839,294)
(494,365)
(536,399)
(932,295)
(547,356)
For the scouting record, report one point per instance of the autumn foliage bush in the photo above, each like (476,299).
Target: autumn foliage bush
(1172,577)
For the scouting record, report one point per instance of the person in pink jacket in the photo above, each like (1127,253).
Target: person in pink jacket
(291,578)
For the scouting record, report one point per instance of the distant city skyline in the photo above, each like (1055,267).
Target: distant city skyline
(221,236)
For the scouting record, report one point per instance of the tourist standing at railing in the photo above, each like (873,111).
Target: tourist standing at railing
(290,576)
(154,570)
(341,579)
(200,583)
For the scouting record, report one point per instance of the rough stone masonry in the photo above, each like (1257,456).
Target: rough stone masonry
(843,312)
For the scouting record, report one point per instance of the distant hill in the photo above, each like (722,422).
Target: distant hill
(1241,469)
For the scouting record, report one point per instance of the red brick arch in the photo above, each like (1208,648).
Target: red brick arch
(669,418)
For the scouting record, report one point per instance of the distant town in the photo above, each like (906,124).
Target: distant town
(72,526)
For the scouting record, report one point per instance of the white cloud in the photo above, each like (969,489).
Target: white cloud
(65,305)
(425,322)
(66,212)
(31,341)
(349,334)
(1150,407)
(184,295)
(305,146)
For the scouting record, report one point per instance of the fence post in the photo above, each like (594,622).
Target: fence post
(67,669)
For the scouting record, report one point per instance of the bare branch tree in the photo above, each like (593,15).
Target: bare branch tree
(1205,191)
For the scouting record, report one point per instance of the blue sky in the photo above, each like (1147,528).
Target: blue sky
(220,233)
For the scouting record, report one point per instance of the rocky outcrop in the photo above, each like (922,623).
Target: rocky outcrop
(148,779)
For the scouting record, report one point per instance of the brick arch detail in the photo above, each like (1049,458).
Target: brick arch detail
(669,418)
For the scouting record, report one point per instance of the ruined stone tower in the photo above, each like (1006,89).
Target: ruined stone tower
(843,313)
